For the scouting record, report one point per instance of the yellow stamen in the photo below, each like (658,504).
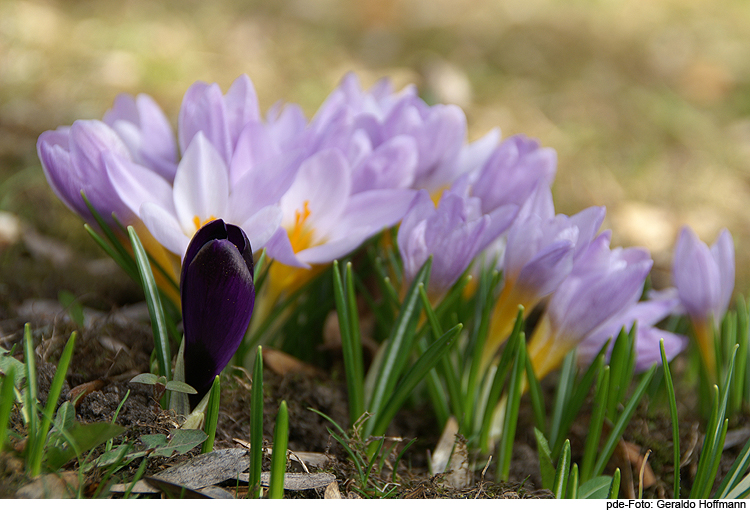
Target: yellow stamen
(198,224)
(301,235)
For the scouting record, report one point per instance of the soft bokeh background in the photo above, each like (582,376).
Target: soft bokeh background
(647,102)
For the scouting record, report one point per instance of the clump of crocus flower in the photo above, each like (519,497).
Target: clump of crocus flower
(704,279)
(312,191)
(218,295)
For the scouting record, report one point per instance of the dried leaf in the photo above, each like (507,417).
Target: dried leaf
(332,492)
(296,481)
(207,469)
(442,455)
(51,486)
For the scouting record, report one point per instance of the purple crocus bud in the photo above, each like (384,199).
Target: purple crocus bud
(704,277)
(705,280)
(73,161)
(146,131)
(451,234)
(603,284)
(647,337)
(218,295)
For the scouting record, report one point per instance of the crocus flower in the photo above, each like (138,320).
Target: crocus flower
(72,159)
(603,284)
(705,280)
(201,193)
(221,118)
(452,233)
(512,172)
(647,337)
(146,131)
(322,220)
(218,295)
(539,254)
(438,132)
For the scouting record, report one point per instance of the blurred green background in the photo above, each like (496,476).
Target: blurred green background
(647,102)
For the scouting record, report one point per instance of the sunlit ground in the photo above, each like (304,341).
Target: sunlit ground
(646,102)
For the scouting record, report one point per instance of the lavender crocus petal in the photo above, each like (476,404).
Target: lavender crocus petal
(588,221)
(203,110)
(262,225)
(322,184)
(334,249)
(201,186)
(723,254)
(373,211)
(280,249)
(72,162)
(476,153)
(546,270)
(500,220)
(136,184)
(217,292)
(52,149)
(391,165)
(591,295)
(513,171)
(144,128)
(648,350)
(451,234)
(287,126)
(262,186)
(696,275)
(241,104)
(164,227)
(254,147)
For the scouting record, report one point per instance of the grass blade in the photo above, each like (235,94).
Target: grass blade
(35,462)
(212,415)
(505,450)
(413,376)
(573,483)
(546,467)
(614,488)
(6,404)
(350,344)
(30,401)
(622,422)
(675,422)
(155,309)
(713,443)
(536,395)
(278,458)
(563,470)
(396,352)
(730,481)
(595,488)
(597,420)
(256,427)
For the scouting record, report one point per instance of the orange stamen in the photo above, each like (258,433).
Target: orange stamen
(198,224)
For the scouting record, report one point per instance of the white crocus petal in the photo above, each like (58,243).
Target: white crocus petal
(201,185)
(280,249)
(331,250)
(262,186)
(164,227)
(322,187)
(136,184)
(261,226)
(373,211)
